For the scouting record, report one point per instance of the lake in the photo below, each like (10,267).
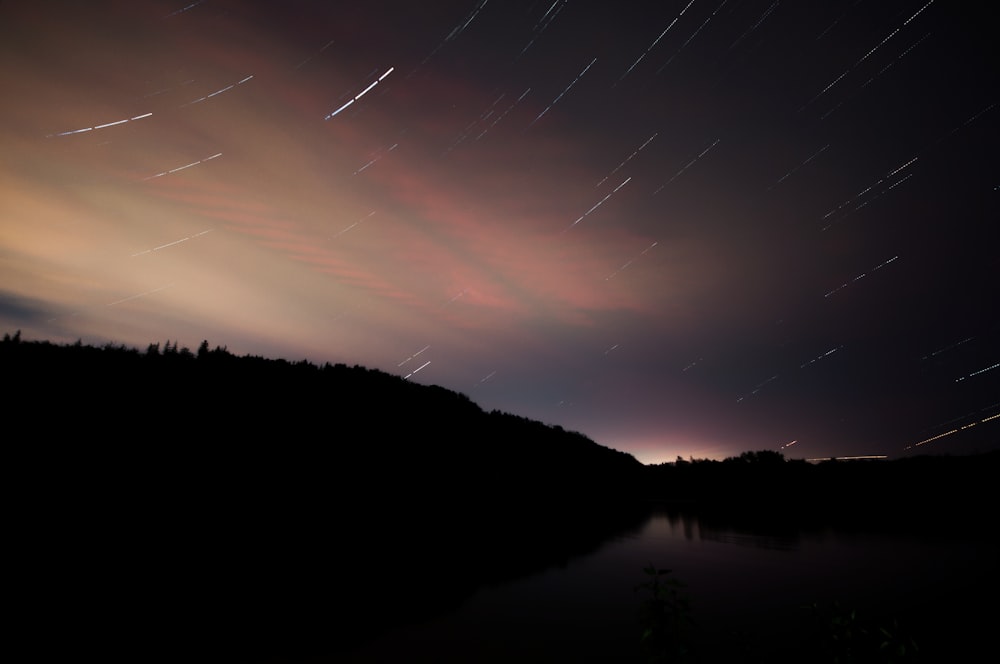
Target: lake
(747,587)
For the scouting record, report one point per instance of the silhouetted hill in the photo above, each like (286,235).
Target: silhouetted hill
(226,417)
(170,501)
(174,504)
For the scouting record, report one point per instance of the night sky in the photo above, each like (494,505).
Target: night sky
(691,227)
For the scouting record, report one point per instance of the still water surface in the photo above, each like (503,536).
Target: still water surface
(747,586)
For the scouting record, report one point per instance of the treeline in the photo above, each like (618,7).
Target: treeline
(374,436)
(934,493)
(349,431)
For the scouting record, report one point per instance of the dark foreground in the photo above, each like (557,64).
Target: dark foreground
(173,506)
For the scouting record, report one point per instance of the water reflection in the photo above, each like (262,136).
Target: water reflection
(748,589)
(691,526)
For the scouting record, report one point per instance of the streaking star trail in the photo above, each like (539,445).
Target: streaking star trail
(655,42)
(361,94)
(561,94)
(102,126)
(599,203)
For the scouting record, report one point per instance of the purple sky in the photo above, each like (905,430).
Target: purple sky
(681,228)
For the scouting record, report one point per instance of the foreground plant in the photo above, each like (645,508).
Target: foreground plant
(845,636)
(836,634)
(665,615)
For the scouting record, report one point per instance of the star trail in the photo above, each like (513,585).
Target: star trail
(685,228)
